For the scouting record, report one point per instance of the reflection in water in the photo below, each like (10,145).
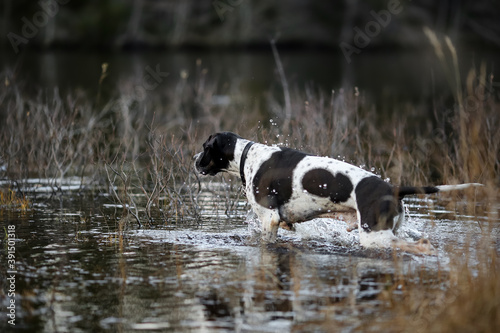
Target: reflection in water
(244,78)
(77,272)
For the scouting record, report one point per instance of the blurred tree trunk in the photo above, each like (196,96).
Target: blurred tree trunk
(49,32)
(181,21)
(134,21)
(7,13)
(449,17)
(347,35)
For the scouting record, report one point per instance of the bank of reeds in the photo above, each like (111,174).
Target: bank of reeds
(9,199)
(140,151)
(135,143)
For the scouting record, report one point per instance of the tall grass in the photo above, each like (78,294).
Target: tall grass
(146,143)
(9,199)
(140,151)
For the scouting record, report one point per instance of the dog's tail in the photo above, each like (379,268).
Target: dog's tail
(401,191)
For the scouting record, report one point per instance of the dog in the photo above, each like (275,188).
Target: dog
(286,186)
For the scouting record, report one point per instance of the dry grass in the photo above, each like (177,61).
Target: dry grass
(465,299)
(9,199)
(141,149)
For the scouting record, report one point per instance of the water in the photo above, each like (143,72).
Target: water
(84,267)
(247,77)
(79,270)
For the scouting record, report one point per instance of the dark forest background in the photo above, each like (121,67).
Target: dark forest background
(136,24)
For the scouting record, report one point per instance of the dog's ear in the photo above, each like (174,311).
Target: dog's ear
(221,145)
(211,142)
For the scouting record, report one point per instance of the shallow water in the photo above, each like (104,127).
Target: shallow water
(79,269)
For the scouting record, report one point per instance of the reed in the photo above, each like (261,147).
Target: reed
(140,151)
(9,199)
(148,143)
(463,299)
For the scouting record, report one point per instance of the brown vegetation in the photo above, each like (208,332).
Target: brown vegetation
(135,145)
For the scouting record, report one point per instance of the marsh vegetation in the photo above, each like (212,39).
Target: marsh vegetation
(120,234)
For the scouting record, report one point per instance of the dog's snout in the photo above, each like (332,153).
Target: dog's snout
(196,159)
(197,165)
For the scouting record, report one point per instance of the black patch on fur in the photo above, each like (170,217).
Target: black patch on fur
(377,204)
(272,184)
(218,150)
(322,183)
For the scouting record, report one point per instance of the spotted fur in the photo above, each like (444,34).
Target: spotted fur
(286,185)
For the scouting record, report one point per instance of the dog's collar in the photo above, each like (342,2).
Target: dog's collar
(242,161)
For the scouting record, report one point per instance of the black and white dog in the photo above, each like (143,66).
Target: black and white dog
(286,185)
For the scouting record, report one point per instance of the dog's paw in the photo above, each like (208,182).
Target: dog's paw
(352,226)
(268,237)
(422,246)
(287,226)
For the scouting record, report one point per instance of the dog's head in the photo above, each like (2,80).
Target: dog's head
(218,153)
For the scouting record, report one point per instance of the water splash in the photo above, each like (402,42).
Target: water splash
(325,230)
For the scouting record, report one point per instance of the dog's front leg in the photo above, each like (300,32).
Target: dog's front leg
(270,220)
